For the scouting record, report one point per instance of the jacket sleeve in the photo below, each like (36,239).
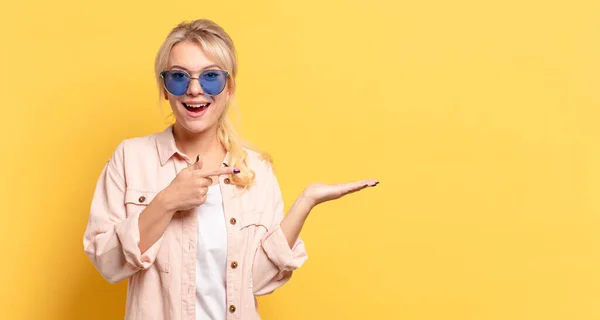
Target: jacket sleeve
(275,261)
(111,238)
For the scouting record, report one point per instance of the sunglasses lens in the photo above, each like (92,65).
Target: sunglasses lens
(213,81)
(176,82)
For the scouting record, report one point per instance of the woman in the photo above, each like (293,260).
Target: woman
(191,217)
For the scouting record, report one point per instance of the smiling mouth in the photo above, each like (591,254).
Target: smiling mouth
(196,107)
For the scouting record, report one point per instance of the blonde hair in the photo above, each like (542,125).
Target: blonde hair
(217,44)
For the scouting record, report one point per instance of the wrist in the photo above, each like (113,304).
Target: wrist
(306,201)
(165,203)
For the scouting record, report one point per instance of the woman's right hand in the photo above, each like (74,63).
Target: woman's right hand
(188,190)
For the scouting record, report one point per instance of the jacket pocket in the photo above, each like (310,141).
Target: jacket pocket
(137,201)
(253,230)
(252,220)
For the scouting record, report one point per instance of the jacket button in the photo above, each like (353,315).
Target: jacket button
(232,308)
(232,221)
(234,265)
(227,181)
(142,199)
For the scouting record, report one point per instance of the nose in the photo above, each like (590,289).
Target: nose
(194,89)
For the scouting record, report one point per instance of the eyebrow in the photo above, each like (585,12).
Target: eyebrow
(205,68)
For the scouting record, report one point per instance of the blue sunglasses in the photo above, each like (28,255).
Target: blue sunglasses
(176,82)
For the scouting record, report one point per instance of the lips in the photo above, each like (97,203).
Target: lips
(196,106)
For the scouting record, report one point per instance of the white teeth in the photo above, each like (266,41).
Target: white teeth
(196,105)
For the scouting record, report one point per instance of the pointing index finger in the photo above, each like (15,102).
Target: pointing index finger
(221,171)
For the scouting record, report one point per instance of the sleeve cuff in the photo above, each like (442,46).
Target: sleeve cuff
(128,233)
(278,250)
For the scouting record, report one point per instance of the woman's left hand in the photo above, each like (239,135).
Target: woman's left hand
(320,192)
(313,195)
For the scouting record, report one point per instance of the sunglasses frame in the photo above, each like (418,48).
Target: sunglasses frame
(162,75)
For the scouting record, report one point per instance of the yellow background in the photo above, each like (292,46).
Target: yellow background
(478,117)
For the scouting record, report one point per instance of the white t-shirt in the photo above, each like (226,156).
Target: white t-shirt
(211,258)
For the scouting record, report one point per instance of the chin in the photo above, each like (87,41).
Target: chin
(196,127)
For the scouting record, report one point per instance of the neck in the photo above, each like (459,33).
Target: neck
(204,144)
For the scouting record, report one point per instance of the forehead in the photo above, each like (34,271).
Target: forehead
(190,56)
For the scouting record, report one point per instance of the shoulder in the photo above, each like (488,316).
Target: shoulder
(134,158)
(133,148)
(139,143)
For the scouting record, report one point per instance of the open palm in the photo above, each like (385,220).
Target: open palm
(321,192)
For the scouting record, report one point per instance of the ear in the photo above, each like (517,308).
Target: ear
(228,88)
(165,94)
